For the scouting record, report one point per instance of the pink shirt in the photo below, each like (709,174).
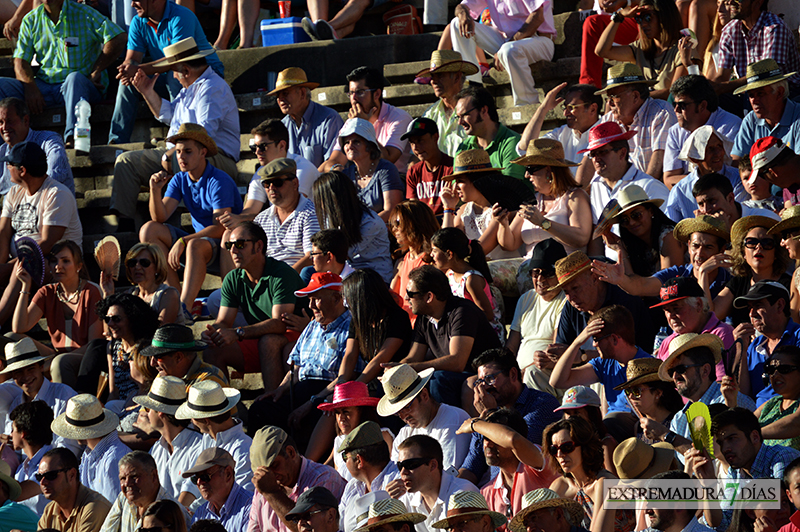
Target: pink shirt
(508,16)
(526,479)
(391,124)
(713,326)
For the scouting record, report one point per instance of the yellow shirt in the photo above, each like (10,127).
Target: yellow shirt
(87,516)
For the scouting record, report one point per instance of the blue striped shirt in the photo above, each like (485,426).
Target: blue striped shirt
(234,514)
(99,467)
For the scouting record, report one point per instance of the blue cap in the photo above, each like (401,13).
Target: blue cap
(30,155)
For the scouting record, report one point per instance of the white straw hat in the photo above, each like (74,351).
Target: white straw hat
(21,354)
(401,384)
(85,418)
(166,395)
(208,399)
(469,504)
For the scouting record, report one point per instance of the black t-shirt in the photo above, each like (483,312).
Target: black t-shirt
(461,318)
(398,325)
(739,286)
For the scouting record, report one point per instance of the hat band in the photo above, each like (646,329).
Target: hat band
(21,357)
(211,408)
(290,82)
(165,400)
(467,168)
(571,271)
(86,422)
(455,512)
(173,345)
(379,518)
(405,393)
(765,75)
(625,79)
(183,55)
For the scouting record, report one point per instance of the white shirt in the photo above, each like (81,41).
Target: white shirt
(236,442)
(171,465)
(415,503)
(307,173)
(356,488)
(443,429)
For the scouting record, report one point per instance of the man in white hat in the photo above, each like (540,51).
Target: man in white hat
(544,511)
(178,447)
(31,435)
(226,501)
(13,515)
(86,421)
(205,99)
(209,407)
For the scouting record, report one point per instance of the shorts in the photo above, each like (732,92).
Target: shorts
(249,347)
(177,232)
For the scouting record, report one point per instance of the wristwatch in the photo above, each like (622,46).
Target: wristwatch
(617,17)
(669,437)
(546,224)
(240,332)
(165,157)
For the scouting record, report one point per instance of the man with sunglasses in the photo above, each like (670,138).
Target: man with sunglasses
(226,501)
(316,510)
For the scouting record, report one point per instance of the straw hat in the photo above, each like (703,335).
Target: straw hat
(358,511)
(763,73)
(695,146)
(606,133)
(292,77)
(472,162)
(448,61)
(684,342)
(389,511)
(208,399)
(545,498)
(790,219)
(570,267)
(182,51)
(631,197)
(21,354)
(172,338)
(743,225)
(640,371)
(353,393)
(701,224)
(14,489)
(166,395)
(401,384)
(197,133)
(634,458)
(546,152)
(625,74)
(469,504)
(84,418)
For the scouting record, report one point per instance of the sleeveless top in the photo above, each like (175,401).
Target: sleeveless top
(459,288)
(625,520)
(155,302)
(533,234)
(770,412)
(474,226)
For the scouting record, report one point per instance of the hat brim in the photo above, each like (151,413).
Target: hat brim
(14,489)
(641,379)
(150,403)
(663,456)
(571,276)
(649,82)
(465,67)
(476,171)
(359,401)
(763,83)
(684,229)
(151,351)
(24,363)
(498,519)
(166,62)
(739,230)
(573,407)
(573,507)
(187,412)
(529,160)
(784,225)
(196,136)
(668,301)
(656,202)
(627,135)
(307,84)
(408,517)
(703,340)
(386,408)
(61,427)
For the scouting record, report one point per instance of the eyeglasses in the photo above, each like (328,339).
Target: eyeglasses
(791,234)
(276,182)
(572,107)
(461,116)
(488,380)
(538,272)
(643,19)
(205,476)
(681,369)
(307,515)
(601,153)
(109,319)
(412,463)
(144,263)
(635,216)
(597,339)
(565,448)
(766,243)
(634,393)
(263,146)
(617,97)
(49,475)
(534,168)
(681,106)
(410,294)
(359,93)
(315,253)
(238,244)
(783,369)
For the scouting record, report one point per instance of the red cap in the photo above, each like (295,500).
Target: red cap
(606,133)
(762,153)
(319,281)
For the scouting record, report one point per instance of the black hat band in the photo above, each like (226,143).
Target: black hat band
(165,400)
(626,79)
(211,408)
(21,357)
(407,391)
(765,75)
(86,422)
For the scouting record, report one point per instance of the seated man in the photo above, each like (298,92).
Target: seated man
(451,330)
(205,99)
(317,501)
(12,513)
(226,501)
(714,196)
(48,32)
(31,435)
(15,127)
(543,509)
(173,351)
(422,414)
(207,193)
(470,512)
(777,163)
(263,288)
(329,252)
(424,178)
(280,475)
(517,36)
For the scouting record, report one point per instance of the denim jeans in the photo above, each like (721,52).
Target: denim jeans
(69,93)
(445,386)
(127,106)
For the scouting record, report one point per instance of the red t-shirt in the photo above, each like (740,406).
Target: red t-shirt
(425,186)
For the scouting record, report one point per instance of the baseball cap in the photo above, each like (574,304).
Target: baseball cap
(678,288)
(320,281)
(316,496)
(762,290)
(30,155)
(267,443)
(545,255)
(578,397)
(763,153)
(420,126)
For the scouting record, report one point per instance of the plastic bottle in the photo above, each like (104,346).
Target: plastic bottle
(660,337)
(83,129)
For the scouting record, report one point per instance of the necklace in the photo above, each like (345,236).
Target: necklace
(369,173)
(62,295)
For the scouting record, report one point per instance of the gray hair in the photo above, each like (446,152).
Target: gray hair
(139,458)
(785,84)
(19,106)
(706,307)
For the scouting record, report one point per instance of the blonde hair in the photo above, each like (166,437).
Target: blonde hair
(159,260)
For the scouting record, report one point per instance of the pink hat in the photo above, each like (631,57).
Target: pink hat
(606,133)
(353,393)
(319,281)
(763,152)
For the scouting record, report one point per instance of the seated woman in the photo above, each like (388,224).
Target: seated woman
(68,305)
(584,403)
(379,185)
(656,49)
(778,415)
(789,232)
(146,267)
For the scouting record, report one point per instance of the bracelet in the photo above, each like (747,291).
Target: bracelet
(24,292)
(617,17)
(449,211)
(472,424)
(182,241)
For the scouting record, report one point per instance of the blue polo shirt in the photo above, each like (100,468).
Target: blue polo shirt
(611,373)
(754,128)
(685,270)
(177,24)
(214,190)
(317,133)
(757,356)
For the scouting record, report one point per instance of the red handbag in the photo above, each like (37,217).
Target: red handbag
(403,20)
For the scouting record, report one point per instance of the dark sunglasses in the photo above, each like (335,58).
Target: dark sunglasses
(276,182)
(766,243)
(533,169)
(783,369)
(204,476)
(538,272)
(681,369)
(635,216)
(412,463)
(643,19)
(144,263)
(238,244)
(50,475)
(410,294)
(263,146)
(634,393)
(307,515)
(565,448)
(109,319)
(681,106)
(790,234)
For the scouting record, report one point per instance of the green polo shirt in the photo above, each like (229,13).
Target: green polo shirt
(502,150)
(276,286)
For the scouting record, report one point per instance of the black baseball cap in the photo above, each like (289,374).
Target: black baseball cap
(311,497)
(678,288)
(763,290)
(545,255)
(420,126)
(30,155)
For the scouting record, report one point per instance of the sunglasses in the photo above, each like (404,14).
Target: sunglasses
(465,113)
(307,515)
(681,106)
(412,463)
(50,475)
(602,153)
(783,369)
(597,339)
(635,216)
(205,476)
(410,294)
(263,146)
(766,243)
(488,380)
(538,272)
(572,107)
(109,319)
(682,368)
(276,182)
(643,19)
(144,263)
(238,244)
(565,448)
(533,168)
(634,393)
(791,234)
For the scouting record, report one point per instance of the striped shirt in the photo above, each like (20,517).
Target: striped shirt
(99,467)
(291,240)
(651,123)
(235,512)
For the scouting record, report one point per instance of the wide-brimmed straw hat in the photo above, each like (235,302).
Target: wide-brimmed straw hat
(197,133)
(790,219)
(172,338)
(389,511)
(21,354)
(85,418)
(640,371)
(625,74)
(401,384)
(292,77)
(472,162)
(606,133)
(743,225)
(469,504)
(182,51)
(448,61)
(353,393)
(763,73)
(695,146)
(634,459)
(570,267)
(167,394)
(540,499)
(208,399)
(701,224)
(545,152)
(684,342)
(14,489)
(631,197)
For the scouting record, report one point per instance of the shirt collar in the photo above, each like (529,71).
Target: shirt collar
(303,467)
(585,135)
(106,443)
(332,326)
(193,368)
(229,505)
